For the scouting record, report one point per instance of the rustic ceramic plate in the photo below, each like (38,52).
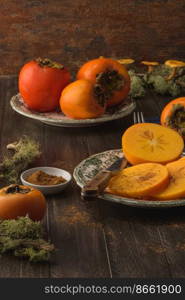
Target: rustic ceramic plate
(58,119)
(89,167)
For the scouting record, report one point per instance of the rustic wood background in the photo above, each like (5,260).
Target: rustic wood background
(73,31)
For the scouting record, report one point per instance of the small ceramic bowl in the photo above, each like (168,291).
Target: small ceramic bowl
(47,189)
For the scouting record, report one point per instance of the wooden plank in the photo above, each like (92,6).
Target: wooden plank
(172,233)
(2,99)
(133,243)
(14,126)
(97,239)
(85,258)
(74,229)
(172,227)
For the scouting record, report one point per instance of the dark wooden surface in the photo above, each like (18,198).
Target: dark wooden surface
(73,31)
(96,239)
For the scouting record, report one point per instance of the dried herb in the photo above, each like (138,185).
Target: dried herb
(24,238)
(25,151)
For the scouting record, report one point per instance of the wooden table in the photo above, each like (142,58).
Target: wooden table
(94,239)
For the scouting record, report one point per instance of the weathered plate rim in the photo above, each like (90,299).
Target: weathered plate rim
(128,201)
(16,106)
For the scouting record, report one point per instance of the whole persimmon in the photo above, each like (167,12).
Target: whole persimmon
(41,82)
(82,100)
(173,115)
(110,75)
(20,201)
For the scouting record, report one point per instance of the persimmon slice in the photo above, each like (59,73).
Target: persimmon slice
(148,142)
(139,181)
(176,187)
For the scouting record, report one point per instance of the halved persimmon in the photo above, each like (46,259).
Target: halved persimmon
(148,142)
(139,181)
(176,186)
(110,76)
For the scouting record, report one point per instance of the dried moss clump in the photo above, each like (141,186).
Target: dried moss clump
(24,238)
(157,81)
(25,151)
(137,88)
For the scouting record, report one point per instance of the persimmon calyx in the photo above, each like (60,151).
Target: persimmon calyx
(106,84)
(48,63)
(100,94)
(111,80)
(176,120)
(15,188)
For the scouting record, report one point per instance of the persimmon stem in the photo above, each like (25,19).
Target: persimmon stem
(48,63)
(15,188)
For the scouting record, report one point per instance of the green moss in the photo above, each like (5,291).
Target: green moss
(161,86)
(21,228)
(33,255)
(24,238)
(137,89)
(174,89)
(161,70)
(24,152)
(157,81)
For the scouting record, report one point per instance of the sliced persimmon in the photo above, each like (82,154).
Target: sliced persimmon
(148,142)
(139,181)
(176,187)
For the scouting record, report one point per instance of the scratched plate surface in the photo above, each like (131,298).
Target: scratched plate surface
(58,118)
(89,167)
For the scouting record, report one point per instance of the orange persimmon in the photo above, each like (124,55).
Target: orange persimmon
(41,82)
(148,142)
(81,100)
(110,76)
(173,115)
(139,181)
(176,187)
